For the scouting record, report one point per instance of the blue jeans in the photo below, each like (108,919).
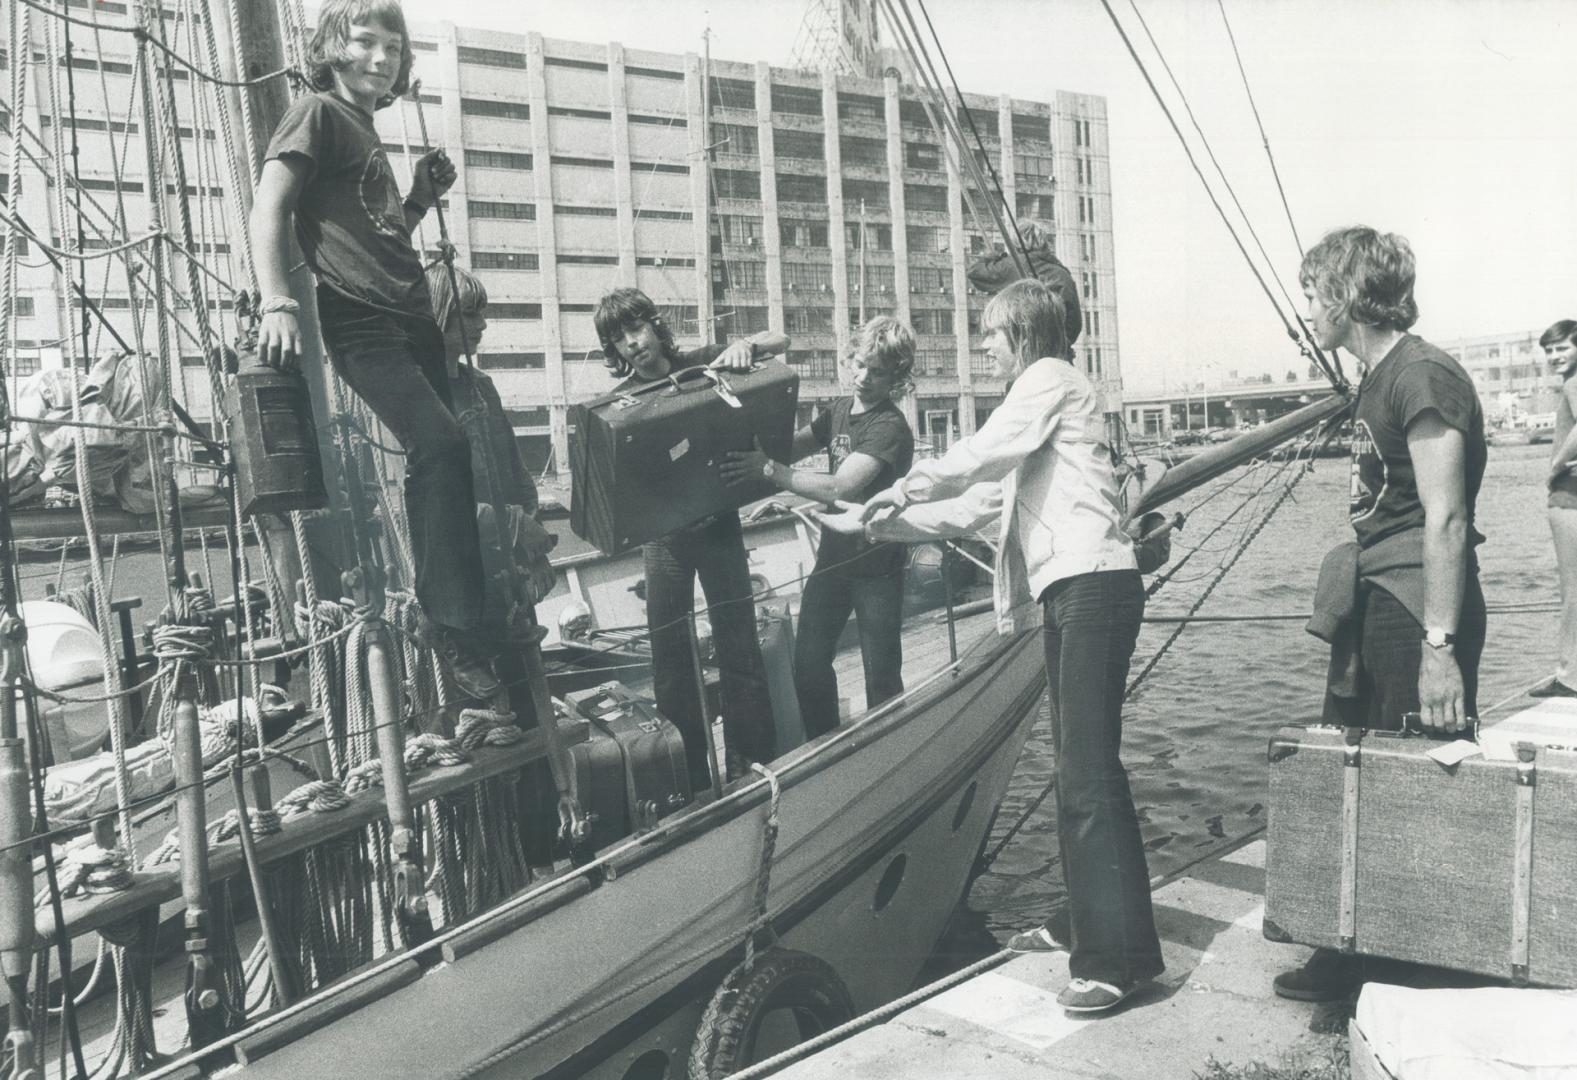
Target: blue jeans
(1092,623)
(396,365)
(824,609)
(714,551)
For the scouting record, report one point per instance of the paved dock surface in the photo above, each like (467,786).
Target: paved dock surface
(1214,1001)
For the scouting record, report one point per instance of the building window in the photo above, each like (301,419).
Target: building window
(807,320)
(802,234)
(873,237)
(533,417)
(21,244)
(806,145)
(922,156)
(669,261)
(806,277)
(1092,322)
(1035,206)
(659,167)
(583,114)
(871,193)
(581,162)
(739,228)
(1037,128)
(664,215)
(658,121)
(744,320)
(24,306)
(913,114)
(932,321)
(930,279)
(588,260)
(424,46)
(24,365)
(878,280)
(734,184)
(498,159)
(928,239)
(856,150)
(740,275)
(985,122)
(491,57)
(510,361)
(566,62)
(508,310)
(736,138)
(1086,247)
(585,211)
(733,94)
(505,211)
(925,197)
(802,189)
(861,107)
(1033,166)
(802,100)
(503,260)
(654,73)
(1081,133)
(1086,210)
(933,362)
(504,110)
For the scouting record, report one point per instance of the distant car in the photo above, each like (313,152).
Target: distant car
(1223,435)
(1188,438)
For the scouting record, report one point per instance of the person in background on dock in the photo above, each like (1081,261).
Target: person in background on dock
(1560,350)
(1041,466)
(638,347)
(326,172)
(991,273)
(503,484)
(1401,606)
(869,446)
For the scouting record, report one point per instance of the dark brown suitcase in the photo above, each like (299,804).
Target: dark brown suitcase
(655,775)
(644,462)
(1376,848)
(597,780)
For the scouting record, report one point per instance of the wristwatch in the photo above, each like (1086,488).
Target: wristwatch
(412,204)
(1439,639)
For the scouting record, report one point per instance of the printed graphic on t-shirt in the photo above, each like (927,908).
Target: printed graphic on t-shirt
(1369,474)
(839,451)
(380,195)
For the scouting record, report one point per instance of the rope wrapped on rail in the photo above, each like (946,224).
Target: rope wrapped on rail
(769,842)
(91,869)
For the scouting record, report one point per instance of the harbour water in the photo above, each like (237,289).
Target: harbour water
(1195,732)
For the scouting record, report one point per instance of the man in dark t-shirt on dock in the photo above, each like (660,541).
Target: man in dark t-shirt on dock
(1418,460)
(869,447)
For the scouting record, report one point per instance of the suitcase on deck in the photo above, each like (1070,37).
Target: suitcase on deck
(645,461)
(652,771)
(1376,848)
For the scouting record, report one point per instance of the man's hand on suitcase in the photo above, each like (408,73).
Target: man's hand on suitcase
(849,520)
(737,357)
(1440,691)
(744,466)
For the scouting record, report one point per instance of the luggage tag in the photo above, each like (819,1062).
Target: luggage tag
(1447,754)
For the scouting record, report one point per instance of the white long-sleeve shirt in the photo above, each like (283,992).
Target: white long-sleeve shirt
(1041,463)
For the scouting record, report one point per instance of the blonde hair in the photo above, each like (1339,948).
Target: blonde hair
(1030,316)
(1367,272)
(886,341)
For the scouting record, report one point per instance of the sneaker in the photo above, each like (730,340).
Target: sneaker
(1090,996)
(1327,975)
(1053,936)
(1552,687)
(471,673)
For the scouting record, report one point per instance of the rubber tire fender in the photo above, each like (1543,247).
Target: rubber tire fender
(781,979)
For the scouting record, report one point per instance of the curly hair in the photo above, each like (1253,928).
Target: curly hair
(327,54)
(623,308)
(886,342)
(1367,272)
(1565,330)
(1031,316)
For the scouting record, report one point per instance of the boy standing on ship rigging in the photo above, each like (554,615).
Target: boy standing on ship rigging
(1407,624)
(326,172)
(638,347)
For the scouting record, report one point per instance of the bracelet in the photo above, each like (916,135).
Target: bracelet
(279,304)
(769,470)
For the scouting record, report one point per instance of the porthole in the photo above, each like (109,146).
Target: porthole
(964,805)
(892,878)
(652,1065)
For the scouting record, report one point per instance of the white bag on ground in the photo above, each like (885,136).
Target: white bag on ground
(1491,1033)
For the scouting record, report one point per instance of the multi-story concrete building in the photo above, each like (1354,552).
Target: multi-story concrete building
(740,196)
(1510,372)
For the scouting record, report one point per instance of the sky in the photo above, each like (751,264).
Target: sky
(1452,122)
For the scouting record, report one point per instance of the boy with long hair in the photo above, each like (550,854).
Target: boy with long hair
(326,173)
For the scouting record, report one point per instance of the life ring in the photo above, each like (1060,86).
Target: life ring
(725,1039)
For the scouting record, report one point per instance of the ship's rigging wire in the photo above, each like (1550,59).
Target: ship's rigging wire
(1264,138)
(1193,161)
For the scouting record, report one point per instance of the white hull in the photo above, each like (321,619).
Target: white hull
(590,984)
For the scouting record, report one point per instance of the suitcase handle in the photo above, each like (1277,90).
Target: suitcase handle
(686,374)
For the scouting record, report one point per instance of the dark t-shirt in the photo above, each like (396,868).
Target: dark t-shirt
(349,220)
(1413,378)
(883,433)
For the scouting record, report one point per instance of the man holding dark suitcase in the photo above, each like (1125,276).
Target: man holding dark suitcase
(639,346)
(1407,621)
